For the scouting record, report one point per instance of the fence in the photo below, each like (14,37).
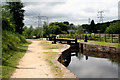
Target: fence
(113,38)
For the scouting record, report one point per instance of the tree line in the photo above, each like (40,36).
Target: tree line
(112,27)
(67,28)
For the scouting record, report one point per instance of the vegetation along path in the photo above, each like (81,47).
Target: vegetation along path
(34,64)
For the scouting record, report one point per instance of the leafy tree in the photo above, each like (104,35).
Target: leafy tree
(114,28)
(17,12)
(86,27)
(46,30)
(29,32)
(63,27)
(71,26)
(6,25)
(66,22)
(6,22)
(79,30)
(38,32)
(55,29)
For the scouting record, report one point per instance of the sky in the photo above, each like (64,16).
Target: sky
(75,11)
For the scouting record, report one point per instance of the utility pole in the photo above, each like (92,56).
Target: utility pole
(39,21)
(100,16)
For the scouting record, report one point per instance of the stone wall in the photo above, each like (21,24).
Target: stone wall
(99,48)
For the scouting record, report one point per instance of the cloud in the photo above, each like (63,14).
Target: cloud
(74,11)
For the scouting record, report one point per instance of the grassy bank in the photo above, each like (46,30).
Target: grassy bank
(8,69)
(14,47)
(56,70)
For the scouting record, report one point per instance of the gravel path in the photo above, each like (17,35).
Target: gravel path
(33,64)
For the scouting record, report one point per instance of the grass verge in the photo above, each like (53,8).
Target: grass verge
(49,45)
(8,70)
(56,70)
(102,43)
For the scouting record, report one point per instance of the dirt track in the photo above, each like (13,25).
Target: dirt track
(33,64)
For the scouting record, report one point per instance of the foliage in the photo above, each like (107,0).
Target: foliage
(55,29)
(79,30)
(72,32)
(99,26)
(38,32)
(10,43)
(92,27)
(30,32)
(6,25)
(12,62)
(46,30)
(62,28)
(6,22)
(114,28)
(17,12)
(71,26)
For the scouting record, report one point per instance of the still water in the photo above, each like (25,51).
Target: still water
(90,64)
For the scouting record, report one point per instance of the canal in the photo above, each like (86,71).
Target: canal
(90,64)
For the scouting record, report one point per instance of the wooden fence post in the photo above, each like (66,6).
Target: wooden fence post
(111,38)
(105,37)
(119,38)
(80,36)
(99,37)
(94,37)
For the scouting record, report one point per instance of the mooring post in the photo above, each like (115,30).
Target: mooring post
(76,40)
(81,48)
(85,38)
(54,39)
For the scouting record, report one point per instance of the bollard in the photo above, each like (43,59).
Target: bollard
(54,39)
(81,48)
(76,40)
(85,39)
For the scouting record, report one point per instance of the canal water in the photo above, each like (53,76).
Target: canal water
(90,64)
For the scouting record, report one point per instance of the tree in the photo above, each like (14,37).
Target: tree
(79,30)
(66,22)
(29,32)
(38,32)
(92,26)
(55,29)
(62,27)
(114,28)
(6,22)
(71,26)
(17,12)
(46,30)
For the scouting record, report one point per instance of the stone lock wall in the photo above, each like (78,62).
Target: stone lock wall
(99,48)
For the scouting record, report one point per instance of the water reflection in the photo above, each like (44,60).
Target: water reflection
(90,64)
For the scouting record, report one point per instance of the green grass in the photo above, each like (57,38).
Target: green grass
(97,42)
(49,45)
(8,70)
(56,70)
(102,43)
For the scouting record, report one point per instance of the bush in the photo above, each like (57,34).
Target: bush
(10,43)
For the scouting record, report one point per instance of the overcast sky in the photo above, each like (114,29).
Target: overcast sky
(74,11)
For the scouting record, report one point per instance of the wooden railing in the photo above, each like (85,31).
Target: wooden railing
(113,38)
